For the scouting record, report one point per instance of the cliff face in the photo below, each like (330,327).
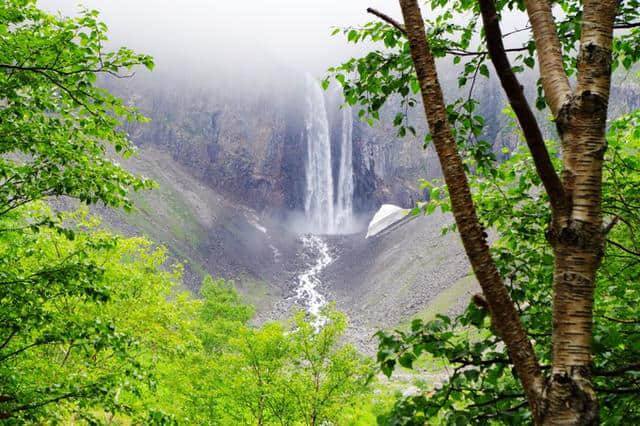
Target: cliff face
(249,143)
(230,163)
(252,147)
(247,148)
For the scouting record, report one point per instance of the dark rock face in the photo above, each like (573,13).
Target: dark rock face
(253,149)
(250,145)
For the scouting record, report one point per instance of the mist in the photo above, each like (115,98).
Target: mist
(231,37)
(236,47)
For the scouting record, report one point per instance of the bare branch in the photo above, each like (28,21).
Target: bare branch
(456,52)
(9,414)
(621,321)
(626,25)
(8,339)
(389,20)
(526,118)
(498,399)
(617,371)
(623,248)
(619,391)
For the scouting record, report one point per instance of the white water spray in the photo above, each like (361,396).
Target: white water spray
(344,201)
(318,206)
(308,281)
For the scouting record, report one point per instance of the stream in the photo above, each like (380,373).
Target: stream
(308,282)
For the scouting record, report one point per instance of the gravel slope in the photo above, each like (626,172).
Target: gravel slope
(379,282)
(390,278)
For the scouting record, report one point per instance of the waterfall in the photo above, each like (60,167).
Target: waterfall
(325,214)
(318,204)
(344,202)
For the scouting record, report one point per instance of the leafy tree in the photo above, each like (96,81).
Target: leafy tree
(58,130)
(92,330)
(56,124)
(558,385)
(482,387)
(323,376)
(68,351)
(271,374)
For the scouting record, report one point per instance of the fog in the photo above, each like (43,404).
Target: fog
(229,34)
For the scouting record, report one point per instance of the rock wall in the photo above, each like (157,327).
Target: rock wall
(249,143)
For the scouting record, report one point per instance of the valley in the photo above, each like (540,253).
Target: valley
(319,213)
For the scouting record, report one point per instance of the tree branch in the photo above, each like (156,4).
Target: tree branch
(456,52)
(623,248)
(610,225)
(502,309)
(386,18)
(19,351)
(8,414)
(626,25)
(554,80)
(621,321)
(594,56)
(618,371)
(102,69)
(619,391)
(498,399)
(526,118)
(8,339)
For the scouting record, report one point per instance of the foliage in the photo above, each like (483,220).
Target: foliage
(67,349)
(386,75)
(92,328)
(273,374)
(96,333)
(56,124)
(482,387)
(65,346)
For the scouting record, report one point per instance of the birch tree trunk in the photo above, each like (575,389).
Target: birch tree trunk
(474,239)
(576,233)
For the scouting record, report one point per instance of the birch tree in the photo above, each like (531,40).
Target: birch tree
(581,44)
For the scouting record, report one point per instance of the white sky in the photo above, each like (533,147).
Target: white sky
(295,32)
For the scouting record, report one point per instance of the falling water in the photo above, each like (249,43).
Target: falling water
(344,202)
(326,215)
(319,197)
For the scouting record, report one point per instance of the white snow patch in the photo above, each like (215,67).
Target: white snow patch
(387,215)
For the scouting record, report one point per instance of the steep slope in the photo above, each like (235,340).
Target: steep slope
(398,274)
(230,165)
(212,234)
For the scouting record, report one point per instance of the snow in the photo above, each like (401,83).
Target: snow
(387,215)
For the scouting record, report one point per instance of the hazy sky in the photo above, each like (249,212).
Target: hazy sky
(296,32)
